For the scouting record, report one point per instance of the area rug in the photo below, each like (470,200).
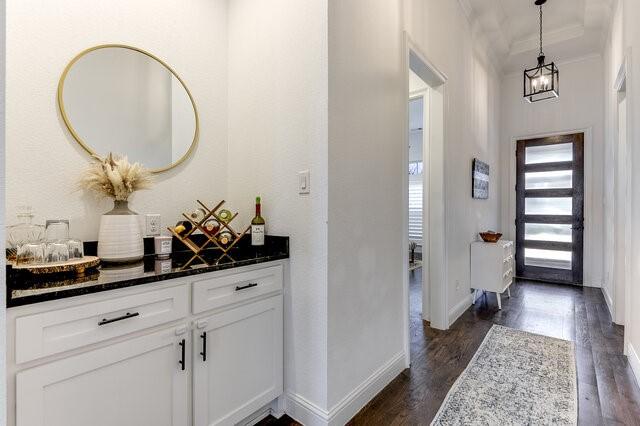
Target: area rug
(515,378)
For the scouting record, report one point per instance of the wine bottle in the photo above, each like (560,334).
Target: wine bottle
(225,238)
(257,226)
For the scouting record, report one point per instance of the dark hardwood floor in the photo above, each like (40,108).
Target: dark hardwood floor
(607,391)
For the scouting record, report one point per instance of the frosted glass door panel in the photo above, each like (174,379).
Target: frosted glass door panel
(548,153)
(547,232)
(559,179)
(547,258)
(548,206)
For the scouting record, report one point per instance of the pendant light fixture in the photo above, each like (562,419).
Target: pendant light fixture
(543,81)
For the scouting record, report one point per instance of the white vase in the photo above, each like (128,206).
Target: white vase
(120,237)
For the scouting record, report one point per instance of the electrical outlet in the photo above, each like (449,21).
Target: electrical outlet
(152,225)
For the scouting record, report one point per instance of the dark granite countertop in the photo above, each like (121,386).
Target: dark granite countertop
(24,288)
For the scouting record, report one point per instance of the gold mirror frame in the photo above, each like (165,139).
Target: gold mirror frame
(84,144)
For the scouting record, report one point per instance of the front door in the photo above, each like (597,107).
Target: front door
(550,208)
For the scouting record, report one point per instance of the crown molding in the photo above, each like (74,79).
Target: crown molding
(551,37)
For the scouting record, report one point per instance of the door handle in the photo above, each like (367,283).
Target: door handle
(203,336)
(182,350)
(244,287)
(123,317)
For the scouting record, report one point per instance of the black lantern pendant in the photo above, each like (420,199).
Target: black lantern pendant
(543,81)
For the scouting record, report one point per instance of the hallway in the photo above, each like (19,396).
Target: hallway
(607,392)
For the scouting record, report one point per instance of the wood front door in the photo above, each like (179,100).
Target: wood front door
(550,208)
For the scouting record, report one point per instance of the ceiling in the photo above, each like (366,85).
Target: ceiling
(571,29)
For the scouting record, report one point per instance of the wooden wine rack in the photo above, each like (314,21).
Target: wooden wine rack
(185,238)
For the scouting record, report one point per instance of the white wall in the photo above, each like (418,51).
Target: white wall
(367,106)
(579,108)
(3,277)
(631,42)
(44,162)
(472,117)
(277,127)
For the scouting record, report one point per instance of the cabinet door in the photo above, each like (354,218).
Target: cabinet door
(237,362)
(133,383)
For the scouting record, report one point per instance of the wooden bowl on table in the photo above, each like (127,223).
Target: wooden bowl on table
(490,236)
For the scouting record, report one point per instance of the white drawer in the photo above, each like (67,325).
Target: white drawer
(230,289)
(52,332)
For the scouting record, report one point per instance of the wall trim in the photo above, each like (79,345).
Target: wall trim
(310,414)
(460,308)
(609,300)
(634,361)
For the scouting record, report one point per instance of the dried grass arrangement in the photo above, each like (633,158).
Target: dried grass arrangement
(114,177)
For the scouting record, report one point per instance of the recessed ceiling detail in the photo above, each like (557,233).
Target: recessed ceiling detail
(572,28)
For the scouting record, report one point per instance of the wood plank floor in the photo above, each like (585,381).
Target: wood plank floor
(607,391)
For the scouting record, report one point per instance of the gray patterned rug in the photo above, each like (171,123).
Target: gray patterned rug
(515,378)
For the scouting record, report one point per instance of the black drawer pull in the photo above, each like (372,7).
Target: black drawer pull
(204,346)
(124,317)
(244,287)
(181,362)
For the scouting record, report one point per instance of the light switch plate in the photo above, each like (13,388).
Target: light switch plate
(304,182)
(152,225)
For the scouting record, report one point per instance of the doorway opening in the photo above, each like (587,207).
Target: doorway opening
(424,189)
(550,208)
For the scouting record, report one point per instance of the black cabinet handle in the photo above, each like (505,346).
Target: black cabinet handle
(204,345)
(124,317)
(243,287)
(182,349)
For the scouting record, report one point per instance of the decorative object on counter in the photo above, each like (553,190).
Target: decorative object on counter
(129,271)
(224,239)
(56,252)
(30,254)
(162,245)
(211,226)
(490,236)
(23,232)
(120,235)
(197,214)
(183,227)
(76,249)
(56,230)
(257,226)
(225,216)
(480,179)
(77,266)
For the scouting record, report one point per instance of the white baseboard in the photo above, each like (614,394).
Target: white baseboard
(310,414)
(459,309)
(634,360)
(609,300)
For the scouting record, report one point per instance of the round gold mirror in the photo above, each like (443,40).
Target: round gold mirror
(121,99)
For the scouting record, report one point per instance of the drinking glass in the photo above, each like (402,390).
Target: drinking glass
(57,230)
(30,254)
(76,249)
(57,252)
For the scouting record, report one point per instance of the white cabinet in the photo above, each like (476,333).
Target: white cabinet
(492,266)
(238,364)
(137,382)
(136,356)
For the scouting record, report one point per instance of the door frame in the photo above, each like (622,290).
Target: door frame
(574,276)
(590,253)
(436,193)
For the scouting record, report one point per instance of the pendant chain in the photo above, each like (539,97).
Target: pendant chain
(541,52)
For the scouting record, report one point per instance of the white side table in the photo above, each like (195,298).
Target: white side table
(492,267)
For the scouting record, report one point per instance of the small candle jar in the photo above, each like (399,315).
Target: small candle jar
(163,246)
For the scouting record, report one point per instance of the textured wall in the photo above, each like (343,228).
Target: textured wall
(44,161)
(277,127)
